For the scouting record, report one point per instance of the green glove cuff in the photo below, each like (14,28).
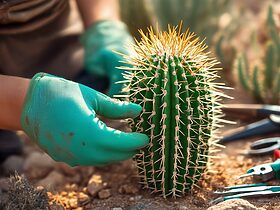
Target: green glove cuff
(28,124)
(101,37)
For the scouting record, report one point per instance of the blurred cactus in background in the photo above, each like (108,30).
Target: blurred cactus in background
(226,53)
(136,14)
(199,16)
(263,80)
(205,18)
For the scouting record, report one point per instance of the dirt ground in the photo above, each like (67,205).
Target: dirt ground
(116,186)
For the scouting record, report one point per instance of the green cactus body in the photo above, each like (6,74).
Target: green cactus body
(172,79)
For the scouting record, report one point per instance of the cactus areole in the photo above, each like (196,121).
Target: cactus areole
(171,77)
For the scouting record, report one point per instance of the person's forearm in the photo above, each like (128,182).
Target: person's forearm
(95,10)
(12,94)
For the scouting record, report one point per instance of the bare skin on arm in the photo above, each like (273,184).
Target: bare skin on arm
(96,10)
(13,91)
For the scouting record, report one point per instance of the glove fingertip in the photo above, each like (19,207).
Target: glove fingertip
(143,140)
(134,109)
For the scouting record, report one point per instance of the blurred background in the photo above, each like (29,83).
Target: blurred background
(243,35)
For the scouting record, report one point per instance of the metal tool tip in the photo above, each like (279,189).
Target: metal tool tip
(243,176)
(216,201)
(218,192)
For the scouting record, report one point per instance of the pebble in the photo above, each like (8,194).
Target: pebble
(135,198)
(103,194)
(234,204)
(183,208)
(38,165)
(37,174)
(38,160)
(53,180)
(12,164)
(140,206)
(128,189)
(95,184)
(73,202)
(83,198)
(116,208)
(71,187)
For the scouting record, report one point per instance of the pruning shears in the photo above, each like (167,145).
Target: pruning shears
(264,172)
(271,124)
(264,147)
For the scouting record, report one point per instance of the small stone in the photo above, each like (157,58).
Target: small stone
(116,208)
(38,165)
(183,208)
(128,189)
(83,198)
(138,197)
(40,188)
(140,206)
(53,180)
(38,160)
(234,204)
(4,184)
(95,184)
(71,187)
(73,202)
(135,198)
(13,164)
(103,194)
(37,174)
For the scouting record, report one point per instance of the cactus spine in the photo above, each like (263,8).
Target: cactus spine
(263,83)
(172,79)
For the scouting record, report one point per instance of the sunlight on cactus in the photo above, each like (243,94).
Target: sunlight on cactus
(172,78)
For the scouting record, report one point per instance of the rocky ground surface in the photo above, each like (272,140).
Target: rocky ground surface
(116,186)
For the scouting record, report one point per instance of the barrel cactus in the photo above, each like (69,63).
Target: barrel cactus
(172,78)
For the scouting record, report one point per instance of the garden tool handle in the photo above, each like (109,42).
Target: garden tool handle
(276,154)
(253,109)
(276,168)
(264,126)
(265,146)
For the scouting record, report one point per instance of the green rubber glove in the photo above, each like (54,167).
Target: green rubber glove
(99,40)
(60,116)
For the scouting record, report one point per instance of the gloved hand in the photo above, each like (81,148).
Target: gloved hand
(99,40)
(60,116)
